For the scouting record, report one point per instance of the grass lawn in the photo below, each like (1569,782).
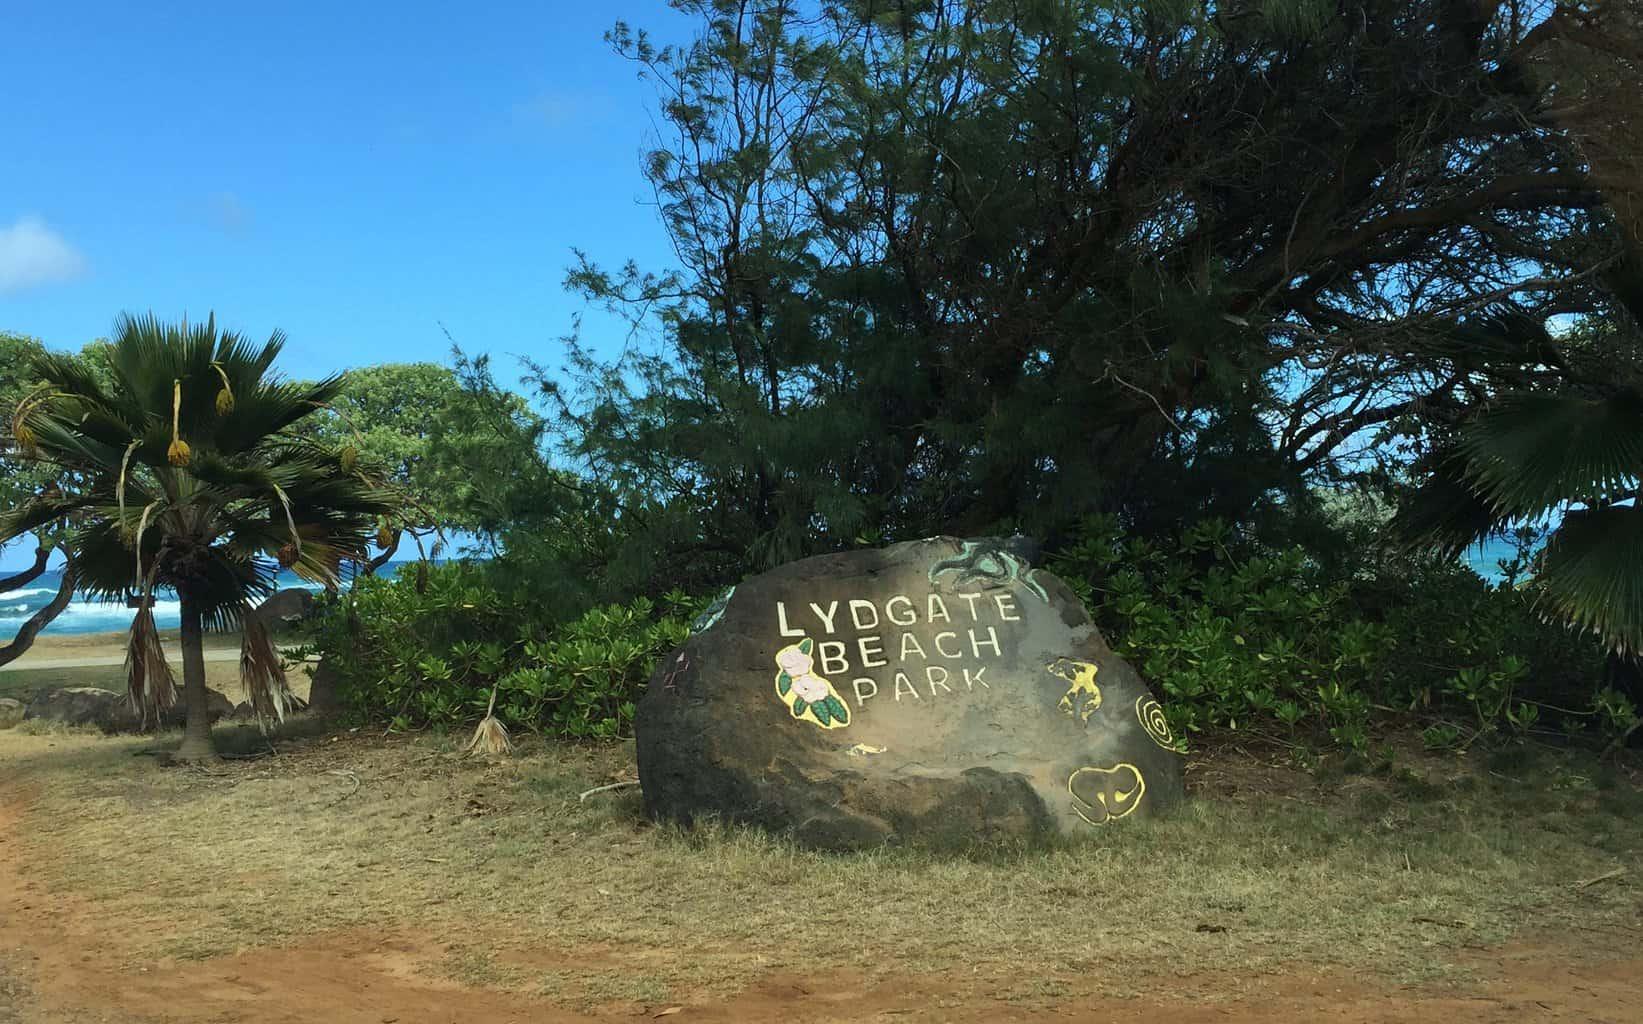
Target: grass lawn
(1398,872)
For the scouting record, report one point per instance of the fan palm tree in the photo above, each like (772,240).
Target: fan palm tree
(194,479)
(1530,458)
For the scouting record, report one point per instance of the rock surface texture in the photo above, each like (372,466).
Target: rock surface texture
(285,607)
(111,711)
(939,690)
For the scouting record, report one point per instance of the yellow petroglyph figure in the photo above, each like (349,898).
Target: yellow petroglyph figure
(807,696)
(1101,795)
(1151,715)
(1083,697)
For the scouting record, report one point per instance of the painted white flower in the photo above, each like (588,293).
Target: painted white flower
(795,662)
(811,688)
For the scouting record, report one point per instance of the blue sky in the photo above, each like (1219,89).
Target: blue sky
(355,174)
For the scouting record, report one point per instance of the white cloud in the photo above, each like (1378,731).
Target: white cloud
(32,254)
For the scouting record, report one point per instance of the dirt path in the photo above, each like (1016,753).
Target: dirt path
(61,963)
(438,956)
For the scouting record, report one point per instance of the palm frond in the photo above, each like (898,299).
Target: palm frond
(43,510)
(1446,513)
(491,736)
(1592,573)
(149,682)
(184,489)
(1531,453)
(262,674)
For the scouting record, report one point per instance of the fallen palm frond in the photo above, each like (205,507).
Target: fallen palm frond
(262,674)
(152,687)
(491,737)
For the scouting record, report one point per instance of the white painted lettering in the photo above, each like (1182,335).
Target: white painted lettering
(910,645)
(936,609)
(856,610)
(890,611)
(977,644)
(1006,605)
(935,680)
(781,621)
(943,651)
(870,646)
(861,698)
(903,683)
(970,682)
(827,619)
(972,599)
(833,661)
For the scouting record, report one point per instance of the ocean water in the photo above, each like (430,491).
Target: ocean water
(85,615)
(1485,559)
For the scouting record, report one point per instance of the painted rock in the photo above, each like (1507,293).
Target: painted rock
(939,690)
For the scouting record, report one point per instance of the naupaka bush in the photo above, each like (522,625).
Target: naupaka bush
(425,647)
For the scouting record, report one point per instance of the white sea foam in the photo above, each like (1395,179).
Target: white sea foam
(96,617)
(87,616)
(28,592)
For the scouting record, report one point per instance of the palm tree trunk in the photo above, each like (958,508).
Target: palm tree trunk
(197,744)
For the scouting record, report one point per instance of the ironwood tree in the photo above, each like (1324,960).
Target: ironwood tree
(978,266)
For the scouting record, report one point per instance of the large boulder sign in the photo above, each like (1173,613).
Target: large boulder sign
(940,690)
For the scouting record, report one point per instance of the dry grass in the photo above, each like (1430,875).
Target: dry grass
(1395,872)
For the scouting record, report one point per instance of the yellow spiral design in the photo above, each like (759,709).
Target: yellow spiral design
(1151,715)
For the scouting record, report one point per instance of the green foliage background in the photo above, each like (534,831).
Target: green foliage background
(426,647)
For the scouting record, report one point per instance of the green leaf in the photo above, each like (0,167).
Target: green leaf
(798,705)
(823,715)
(840,712)
(806,645)
(784,684)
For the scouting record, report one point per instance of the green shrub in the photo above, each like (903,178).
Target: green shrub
(1238,638)
(425,648)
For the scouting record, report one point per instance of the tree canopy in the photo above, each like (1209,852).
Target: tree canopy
(186,474)
(958,267)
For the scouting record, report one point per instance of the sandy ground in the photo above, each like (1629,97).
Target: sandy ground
(104,659)
(98,659)
(88,649)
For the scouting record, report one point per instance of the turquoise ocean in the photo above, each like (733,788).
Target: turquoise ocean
(86,615)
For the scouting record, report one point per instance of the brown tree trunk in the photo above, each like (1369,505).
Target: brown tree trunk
(42,555)
(40,619)
(197,744)
(322,691)
(381,560)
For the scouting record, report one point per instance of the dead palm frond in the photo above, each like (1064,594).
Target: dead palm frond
(263,675)
(152,687)
(491,737)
